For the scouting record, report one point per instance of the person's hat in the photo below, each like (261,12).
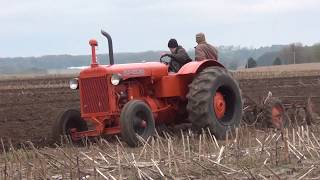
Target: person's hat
(200,37)
(172,43)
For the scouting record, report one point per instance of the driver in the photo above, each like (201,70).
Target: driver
(179,56)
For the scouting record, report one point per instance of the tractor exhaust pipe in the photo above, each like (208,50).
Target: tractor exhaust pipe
(105,34)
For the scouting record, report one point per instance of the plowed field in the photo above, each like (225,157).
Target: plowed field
(29,105)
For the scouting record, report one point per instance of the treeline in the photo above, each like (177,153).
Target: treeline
(45,64)
(291,54)
(232,57)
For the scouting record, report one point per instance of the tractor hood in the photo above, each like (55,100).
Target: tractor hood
(126,71)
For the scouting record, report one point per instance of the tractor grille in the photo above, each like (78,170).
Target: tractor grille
(94,95)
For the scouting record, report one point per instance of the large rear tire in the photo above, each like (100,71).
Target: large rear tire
(67,120)
(136,118)
(214,101)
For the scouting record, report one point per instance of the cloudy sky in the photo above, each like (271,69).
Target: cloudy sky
(40,27)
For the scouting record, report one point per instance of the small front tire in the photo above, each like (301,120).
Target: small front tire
(67,120)
(136,119)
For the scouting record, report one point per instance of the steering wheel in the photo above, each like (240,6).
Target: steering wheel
(165,59)
(173,65)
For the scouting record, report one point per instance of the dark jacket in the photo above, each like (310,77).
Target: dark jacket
(180,56)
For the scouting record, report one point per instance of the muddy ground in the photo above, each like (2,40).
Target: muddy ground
(29,106)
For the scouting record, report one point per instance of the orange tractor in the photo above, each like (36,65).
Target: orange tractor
(133,99)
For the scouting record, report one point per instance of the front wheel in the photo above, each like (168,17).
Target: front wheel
(67,120)
(136,118)
(214,101)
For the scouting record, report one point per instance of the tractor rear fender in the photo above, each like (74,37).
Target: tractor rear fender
(197,66)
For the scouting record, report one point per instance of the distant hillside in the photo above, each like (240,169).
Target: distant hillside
(230,56)
(234,57)
(291,54)
(22,65)
(266,58)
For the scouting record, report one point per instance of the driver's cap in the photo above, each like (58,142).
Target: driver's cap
(172,43)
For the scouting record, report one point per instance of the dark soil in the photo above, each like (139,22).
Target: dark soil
(29,107)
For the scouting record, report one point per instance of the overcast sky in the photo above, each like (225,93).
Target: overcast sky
(40,27)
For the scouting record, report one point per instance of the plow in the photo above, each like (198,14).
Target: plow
(272,112)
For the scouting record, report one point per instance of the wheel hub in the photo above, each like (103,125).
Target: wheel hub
(277,116)
(219,104)
(143,124)
(140,124)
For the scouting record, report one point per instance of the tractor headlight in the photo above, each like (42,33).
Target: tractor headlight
(115,79)
(74,83)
